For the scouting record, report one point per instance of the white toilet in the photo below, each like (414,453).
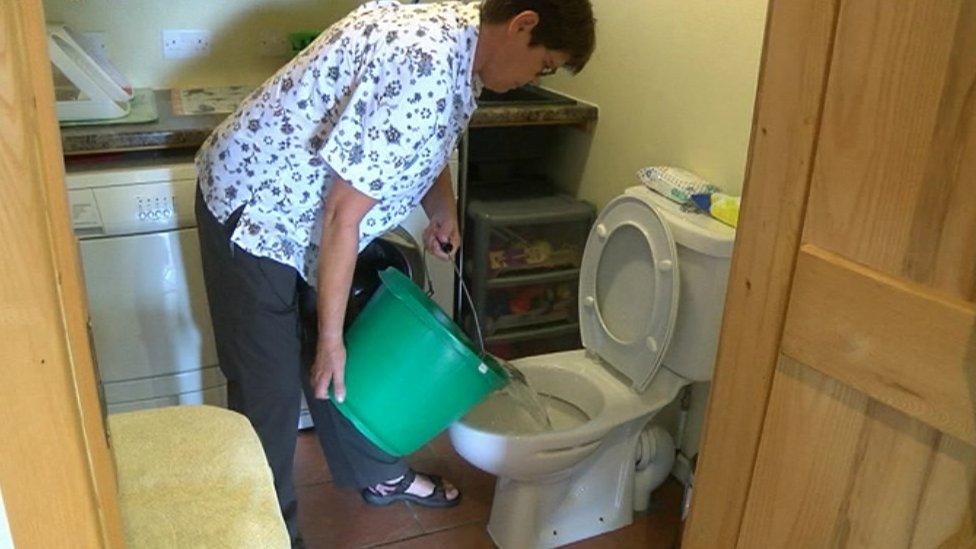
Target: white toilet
(652,289)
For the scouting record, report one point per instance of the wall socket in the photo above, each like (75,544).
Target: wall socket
(185,43)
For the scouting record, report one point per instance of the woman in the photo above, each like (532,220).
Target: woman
(332,151)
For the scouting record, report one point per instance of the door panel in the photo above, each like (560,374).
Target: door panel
(868,437)
(881,328)
(837,469)
(893,184)
(946,507)
(899,342)
(798,488)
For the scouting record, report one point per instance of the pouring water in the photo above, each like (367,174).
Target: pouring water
(496,412)
(519,390)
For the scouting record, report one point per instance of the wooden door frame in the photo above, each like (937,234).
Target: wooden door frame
(57,473)
(789,104)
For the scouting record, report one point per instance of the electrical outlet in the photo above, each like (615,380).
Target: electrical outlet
(97,42)
(185,43)
(272,43)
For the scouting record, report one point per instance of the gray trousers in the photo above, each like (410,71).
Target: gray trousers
(265,329)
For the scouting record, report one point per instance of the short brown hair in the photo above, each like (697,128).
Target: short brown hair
(564,25)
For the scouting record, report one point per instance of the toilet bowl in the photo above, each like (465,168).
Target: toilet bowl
(652,287)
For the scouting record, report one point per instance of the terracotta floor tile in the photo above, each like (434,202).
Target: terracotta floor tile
(332,518)
(469,536)
(425,452)
(441,445)
(477,489)
(310,464)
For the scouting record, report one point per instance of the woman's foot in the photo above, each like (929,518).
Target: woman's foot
(419,488)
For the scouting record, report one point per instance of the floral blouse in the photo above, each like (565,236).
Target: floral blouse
(379,99)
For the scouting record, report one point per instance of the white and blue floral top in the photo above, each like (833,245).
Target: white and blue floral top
(379,99)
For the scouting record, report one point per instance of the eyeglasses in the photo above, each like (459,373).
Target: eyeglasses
(549,67)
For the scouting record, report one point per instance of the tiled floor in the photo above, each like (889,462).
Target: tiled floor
(334,518)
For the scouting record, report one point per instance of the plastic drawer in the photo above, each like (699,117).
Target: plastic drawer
(535,342)
(518,303)
(532,235)
(523,249)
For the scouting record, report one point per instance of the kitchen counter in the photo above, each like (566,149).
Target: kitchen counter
(172,131)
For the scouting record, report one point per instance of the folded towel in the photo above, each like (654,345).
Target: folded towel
(675,183)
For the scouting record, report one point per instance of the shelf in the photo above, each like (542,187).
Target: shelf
(534,333)
(544,210)
(509,281)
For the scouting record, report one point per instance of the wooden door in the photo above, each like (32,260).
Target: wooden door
(56,472)
(843,411)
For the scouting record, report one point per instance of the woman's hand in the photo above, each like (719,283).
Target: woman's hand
(329,368)
(442,233)
(441,237)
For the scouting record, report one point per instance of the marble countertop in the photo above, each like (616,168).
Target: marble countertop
(173,131)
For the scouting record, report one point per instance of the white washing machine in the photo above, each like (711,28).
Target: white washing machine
(141,256)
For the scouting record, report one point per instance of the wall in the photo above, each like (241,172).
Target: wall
(675,81)
(239,28)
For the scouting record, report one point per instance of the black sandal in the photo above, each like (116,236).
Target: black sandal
(437,498)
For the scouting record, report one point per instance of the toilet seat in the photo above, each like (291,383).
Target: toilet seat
(629,289)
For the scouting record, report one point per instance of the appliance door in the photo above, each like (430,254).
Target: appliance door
(151,324)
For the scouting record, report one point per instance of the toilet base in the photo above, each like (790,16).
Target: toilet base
(593,498)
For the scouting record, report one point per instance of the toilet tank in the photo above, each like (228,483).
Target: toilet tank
(704,248)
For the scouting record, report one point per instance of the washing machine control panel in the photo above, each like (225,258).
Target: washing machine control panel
(156,208)
(131,209)
(131,200)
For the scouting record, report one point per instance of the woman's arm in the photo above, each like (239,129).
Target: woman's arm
(344,210)
(441,209)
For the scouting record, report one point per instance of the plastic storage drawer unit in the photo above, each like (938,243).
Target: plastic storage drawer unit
(522,267)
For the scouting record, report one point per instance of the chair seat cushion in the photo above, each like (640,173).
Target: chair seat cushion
(194,476)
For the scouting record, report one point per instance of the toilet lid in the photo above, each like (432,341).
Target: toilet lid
(629,289)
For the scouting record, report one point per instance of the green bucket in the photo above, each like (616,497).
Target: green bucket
(410,371)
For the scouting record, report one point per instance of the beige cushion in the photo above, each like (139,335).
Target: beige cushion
(194,476)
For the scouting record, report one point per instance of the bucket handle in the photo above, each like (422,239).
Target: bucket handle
(464,290)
